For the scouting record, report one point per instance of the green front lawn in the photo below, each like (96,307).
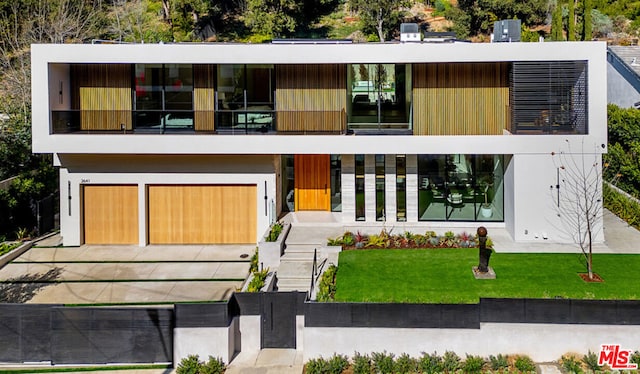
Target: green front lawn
(445,276)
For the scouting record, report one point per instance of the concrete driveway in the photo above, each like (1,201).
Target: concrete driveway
(125,274)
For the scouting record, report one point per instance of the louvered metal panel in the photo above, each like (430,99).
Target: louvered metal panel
(549,97)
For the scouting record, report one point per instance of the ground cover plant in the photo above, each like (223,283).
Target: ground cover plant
(8,247)
(428,363)
(388,240)
(445,276)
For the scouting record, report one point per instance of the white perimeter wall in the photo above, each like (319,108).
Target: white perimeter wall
(542,342)
(78,170)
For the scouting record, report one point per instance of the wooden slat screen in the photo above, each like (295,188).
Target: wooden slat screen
(311,98)
(204,88)
(460,98)
(102,92)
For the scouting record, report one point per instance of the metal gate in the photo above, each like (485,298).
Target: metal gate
(278,319)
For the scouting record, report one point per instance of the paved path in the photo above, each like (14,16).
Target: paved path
(125,274)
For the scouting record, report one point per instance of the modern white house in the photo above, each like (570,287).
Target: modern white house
(210,143)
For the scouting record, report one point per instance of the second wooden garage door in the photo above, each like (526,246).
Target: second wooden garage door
(199,214)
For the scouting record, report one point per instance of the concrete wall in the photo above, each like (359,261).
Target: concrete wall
(78,170)
(542,342)
(205,342)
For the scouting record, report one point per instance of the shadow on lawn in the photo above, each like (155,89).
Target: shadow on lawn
(24,288)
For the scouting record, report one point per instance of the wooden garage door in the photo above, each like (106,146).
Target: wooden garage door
(110,214)
(202,214)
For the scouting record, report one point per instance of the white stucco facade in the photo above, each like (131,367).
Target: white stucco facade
(217,159)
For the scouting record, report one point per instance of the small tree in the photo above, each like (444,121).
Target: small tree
(380,15)
(556,23)
(571,21)
(578,198)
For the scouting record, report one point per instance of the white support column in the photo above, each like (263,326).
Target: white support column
(348,189)
(142,215)
(370,187)
(390,201)
(412,188)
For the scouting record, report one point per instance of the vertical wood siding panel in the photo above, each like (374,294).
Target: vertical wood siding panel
(460,99)
(204,97)
(102,92)
(310,97)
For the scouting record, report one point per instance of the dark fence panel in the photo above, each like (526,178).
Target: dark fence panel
(250,304)
(392,315)
(560,311)
(25,332)
(111,335)
(46,210)
(203,315)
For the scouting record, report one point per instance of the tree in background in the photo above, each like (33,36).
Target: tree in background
(571,21)
(380,16)
(623,154)
(272,18)
(556,23)
(587,33)
(473,17)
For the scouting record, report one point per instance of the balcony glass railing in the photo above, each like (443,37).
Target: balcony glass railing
(245,121)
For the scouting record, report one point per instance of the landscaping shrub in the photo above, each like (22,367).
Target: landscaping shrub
(472,364)
(383,362)
(386,240)
(258,280)
(361,364)
(590,360)
(337,364)
(431,363)
(620,205)
(189,365)
(499,362)
(317,366)
(524,364)
(254,262)
(635,358)
(327,285)
(275,231)
(405,364)
(214,365)
(450,362)
(8,247)
(570,364)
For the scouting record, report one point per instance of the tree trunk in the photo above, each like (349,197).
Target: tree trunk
(379,27)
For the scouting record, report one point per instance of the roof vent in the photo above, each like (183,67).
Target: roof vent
(409,32)
(506,31)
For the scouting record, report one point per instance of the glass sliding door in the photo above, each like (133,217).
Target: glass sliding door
(163,96)
(379,97)
(245,98)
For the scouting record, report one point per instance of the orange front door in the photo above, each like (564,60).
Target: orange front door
(312,189)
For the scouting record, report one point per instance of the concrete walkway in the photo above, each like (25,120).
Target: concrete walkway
(125,274)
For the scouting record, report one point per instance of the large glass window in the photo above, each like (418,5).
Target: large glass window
(360,203)
(163,97)
(380,183)
(401,187)
(245,98)
(379,97)
(288,183)
(460,187)
(336,183)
